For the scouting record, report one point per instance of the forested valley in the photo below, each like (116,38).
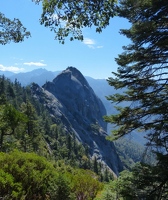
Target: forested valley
(38,160)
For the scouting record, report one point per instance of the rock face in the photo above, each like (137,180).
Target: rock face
(72,102)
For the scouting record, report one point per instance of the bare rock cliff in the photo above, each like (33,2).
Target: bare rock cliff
(71,101)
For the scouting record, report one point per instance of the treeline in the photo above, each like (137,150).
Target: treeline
(39,160)
(26,126)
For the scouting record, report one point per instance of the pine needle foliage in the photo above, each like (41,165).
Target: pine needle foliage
(143,75)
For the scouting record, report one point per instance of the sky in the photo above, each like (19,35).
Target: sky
(94,57)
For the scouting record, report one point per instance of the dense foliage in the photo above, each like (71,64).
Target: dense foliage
(12,30)
(63,17)
(131,152)
(27,126)
(69,17)
(28,176)
(142,72)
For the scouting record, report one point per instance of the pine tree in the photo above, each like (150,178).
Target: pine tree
(32,124)
(95,165)
(142,73)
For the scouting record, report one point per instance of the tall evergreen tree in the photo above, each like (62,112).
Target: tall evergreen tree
(32,124)
(142,73)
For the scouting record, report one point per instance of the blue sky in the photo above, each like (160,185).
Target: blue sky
(94,56)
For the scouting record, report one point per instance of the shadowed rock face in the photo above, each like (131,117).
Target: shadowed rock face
(73,91)
(72,102)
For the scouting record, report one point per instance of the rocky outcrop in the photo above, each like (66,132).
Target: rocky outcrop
(71,101)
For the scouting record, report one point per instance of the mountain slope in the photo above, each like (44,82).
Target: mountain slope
(71,101)
(100,87)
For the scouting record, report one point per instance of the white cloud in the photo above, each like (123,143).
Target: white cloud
(91,43)
(38,64)
(11,68)
(88,41)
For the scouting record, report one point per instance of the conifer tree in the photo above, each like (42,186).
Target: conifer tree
(143,75)
(95,165)
(142,72)
(32,124)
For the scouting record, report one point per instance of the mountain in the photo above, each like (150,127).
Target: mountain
(100,87)
(72,102)
(39,76)
(6,73)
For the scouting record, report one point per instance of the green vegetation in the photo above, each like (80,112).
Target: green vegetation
(75,15)
(12,30)
(131,152)
(38,159)
(29,176)
(142,73)
(64,18)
